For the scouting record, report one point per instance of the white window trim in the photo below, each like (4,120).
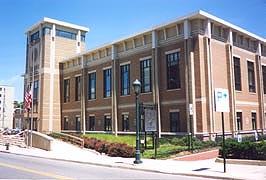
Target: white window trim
(174,110)
(172,51)
(77,75)
(109,67)
(237,56)
(90,72)
(250,60)
(145,58)
(125,63)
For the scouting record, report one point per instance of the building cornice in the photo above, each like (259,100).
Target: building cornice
(198,14)
(57,22)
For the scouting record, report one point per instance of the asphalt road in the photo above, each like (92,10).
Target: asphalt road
(23,167)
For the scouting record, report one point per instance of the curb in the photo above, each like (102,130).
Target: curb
(133,167)
(242,162)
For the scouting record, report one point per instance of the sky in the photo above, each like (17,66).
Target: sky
(108,20)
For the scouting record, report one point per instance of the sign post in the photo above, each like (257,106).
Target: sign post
(222,105)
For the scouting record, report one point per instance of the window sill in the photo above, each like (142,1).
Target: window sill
(144,93)
(169,90)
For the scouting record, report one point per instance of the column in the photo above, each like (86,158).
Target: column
(115,70)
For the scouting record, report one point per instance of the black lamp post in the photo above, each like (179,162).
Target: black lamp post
(136,86)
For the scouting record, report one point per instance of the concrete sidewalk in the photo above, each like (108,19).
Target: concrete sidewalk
(202,168)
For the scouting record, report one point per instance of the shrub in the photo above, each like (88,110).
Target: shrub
(244,150)
(121,150)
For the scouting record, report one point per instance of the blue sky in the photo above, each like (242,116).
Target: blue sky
(108,20)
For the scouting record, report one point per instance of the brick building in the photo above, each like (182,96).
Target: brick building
(178,63)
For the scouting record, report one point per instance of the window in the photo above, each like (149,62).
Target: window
(251,77)
(66,34)
(46,30)
(77,123)
(82,38)
(92,123)
(237,71)
(34,36)
(107,83)
(254,120)
(35,95)
(173,73)
(174,122)
(125,122)
(77,88)
(66,90)
(239,120)
(145,74)
(92,85)
(65,123)
(125,79)
(107,123)
(264,78)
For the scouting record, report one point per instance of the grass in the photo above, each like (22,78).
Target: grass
(165,150)
(127,139)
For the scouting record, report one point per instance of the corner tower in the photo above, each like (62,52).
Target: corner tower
(49,42)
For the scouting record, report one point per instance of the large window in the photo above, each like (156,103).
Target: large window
(107,123)
(92,85)
(254,120)
(35,95)
(264,78)
(107,83)
(251,77)
(66,90)
(145,74)
(174,122)
(237,71)
(77,88)
(239,120)
(125,122)
(77,123)
(66,34)
(173,72)
(91,123)
(125,79)
(66,123)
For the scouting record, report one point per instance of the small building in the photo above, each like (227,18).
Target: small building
(6,106)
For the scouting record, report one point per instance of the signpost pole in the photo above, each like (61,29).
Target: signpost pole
(223,143)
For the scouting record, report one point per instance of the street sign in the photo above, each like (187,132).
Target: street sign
(221,100)
(150,116)
(190,109)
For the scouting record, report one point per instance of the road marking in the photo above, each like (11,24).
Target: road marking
(36,172)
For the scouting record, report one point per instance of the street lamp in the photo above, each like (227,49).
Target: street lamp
(136,86)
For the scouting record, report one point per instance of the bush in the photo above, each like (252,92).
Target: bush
(111,149)
(244,150)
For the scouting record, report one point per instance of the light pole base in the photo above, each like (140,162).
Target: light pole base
(137,161)
(137,158)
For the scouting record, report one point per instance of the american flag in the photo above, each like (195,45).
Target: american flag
(28,98)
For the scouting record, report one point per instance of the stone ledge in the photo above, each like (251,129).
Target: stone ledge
(242,162)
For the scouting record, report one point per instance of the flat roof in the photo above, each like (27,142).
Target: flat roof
(61,23)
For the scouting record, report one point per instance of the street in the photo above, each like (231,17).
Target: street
(23,167)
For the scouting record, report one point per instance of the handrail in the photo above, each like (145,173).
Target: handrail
(72,139)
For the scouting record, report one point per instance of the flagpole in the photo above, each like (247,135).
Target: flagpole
(32,91)
(28,118)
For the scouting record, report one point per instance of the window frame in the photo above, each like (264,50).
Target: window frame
(92,85)
(125,79)
(107,80)
(237,73)
(66,90)
(146,65)
(239,121)
(251,77)
(173,70)
(77,88)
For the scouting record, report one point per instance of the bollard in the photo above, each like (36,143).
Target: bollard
(7,146)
